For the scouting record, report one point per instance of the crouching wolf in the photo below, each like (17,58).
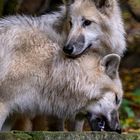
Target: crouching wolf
(95,25)
(37,78)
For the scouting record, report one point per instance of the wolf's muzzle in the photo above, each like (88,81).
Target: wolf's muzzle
(75,46)
(102,124)
(68,49)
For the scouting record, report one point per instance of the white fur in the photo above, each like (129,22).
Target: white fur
(39,79)
(36,78)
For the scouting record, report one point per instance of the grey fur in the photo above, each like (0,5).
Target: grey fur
(37,78)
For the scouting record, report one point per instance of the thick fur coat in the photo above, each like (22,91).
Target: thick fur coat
(37,78)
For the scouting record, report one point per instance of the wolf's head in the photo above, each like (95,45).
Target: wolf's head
(94,24)
(103,112)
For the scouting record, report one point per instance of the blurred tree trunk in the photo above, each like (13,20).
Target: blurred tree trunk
(132,7)
(11,7)
(1,7)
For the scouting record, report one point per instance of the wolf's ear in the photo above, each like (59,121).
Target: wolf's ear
(104,5)
(111,63)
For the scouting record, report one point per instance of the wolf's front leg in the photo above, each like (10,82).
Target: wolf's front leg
(79,124)
(4,111)
(76,125)
(55,123)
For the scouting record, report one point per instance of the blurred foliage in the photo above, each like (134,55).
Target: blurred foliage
(130,69)
(130,114)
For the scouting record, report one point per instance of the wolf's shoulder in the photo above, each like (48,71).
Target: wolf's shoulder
(17,21)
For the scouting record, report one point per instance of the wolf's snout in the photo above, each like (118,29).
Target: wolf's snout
(75,46)
(68,49)
(113,128)
(101,123)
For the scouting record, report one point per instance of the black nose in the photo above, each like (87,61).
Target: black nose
(119,130)
(68,49)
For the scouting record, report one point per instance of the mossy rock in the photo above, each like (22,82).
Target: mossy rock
(66,136)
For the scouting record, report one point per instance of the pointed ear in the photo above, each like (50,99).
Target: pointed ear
(104,6)
(111,63)
(103,3)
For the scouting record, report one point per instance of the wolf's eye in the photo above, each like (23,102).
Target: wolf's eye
(70,24)
(87,23)
(117,99)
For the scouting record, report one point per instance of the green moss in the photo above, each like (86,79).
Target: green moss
(66,136)
(21,135)
(37,135)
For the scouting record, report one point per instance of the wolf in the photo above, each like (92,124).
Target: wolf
(96,119)
(93,26)
(96,25)
(37,78)
(60,38)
